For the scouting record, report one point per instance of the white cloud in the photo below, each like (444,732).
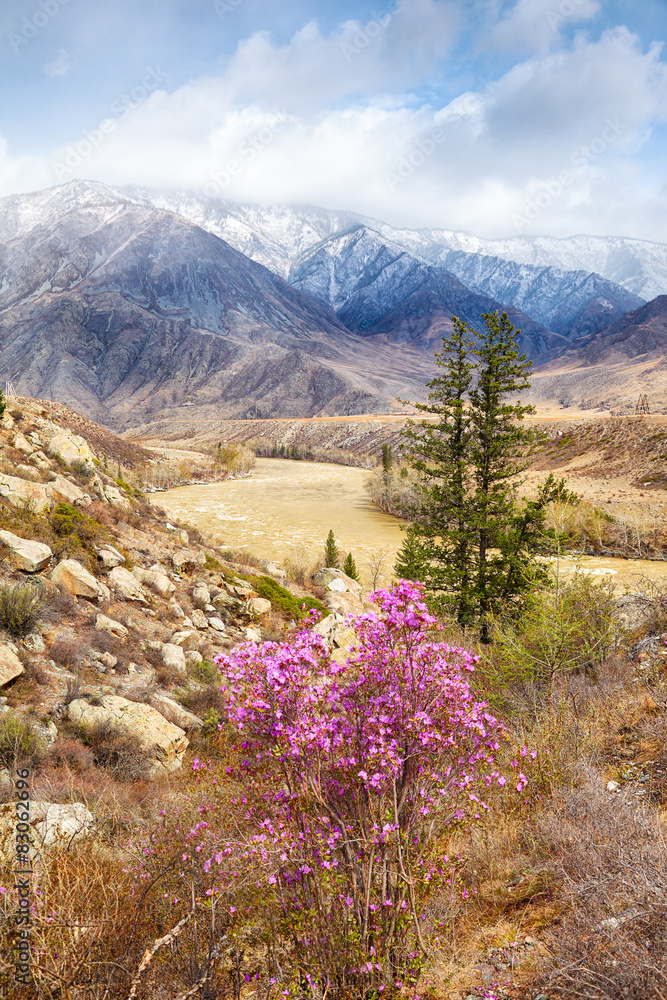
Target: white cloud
(310,122)
(536,25)
(60,66)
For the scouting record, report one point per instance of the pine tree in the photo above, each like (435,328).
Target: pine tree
(3,404)
(478,541)
(331,554)
(411,562)
(387,458)
(350,568)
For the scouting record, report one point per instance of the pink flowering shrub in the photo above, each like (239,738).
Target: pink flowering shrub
(351,776)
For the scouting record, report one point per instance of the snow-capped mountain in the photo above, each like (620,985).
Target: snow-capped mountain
(276,235)
(128,303)
(376,287)
(128,312)
(573,303)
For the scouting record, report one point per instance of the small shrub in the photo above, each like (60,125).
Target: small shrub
(285,602)
(204,672)
(117,751)
(213,564)
(21,606)
(67,520)
(66,651)
(70,753)
(19,742)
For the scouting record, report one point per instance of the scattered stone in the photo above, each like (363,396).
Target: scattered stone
(332,578)
(259,606)
(53,823)
(10,665)
(127,586)
(173,657)
(39,459)
(21,444)
(156,579)
(34,643)
(613,786)
(110,557)
(162,739)
(176,610)
(187,557)
(63,491)
(199,619)
(274,570)
(108,660)
(252,635)
(174,712)
(217,624)
(105,624)
(72,577)
(201,594)
(116,497)
(193,656)
(27,555)
(186,639)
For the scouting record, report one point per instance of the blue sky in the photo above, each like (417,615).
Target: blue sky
(533,116)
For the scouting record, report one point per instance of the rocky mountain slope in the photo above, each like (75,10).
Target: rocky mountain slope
(612,367)
(132,311)
(375,287)
(572,303)
(136,304)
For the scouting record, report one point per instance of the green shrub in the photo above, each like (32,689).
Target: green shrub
(285,602)
(19,741)
(67,520)
(205,672)
(213,564)
(21,605)
(560,633)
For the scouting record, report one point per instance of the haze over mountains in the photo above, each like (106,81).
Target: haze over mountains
(131,304)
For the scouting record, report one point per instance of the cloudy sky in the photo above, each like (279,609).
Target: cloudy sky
(527,116)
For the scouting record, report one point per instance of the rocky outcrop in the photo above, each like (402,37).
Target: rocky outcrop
(26,554)
(73,448)
(174,712)
(127,587)
(165,742)
(20,492)
(110,557)
(52,824)
(71,576)
(10,665)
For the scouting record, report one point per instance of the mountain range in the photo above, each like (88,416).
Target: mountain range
(130,304)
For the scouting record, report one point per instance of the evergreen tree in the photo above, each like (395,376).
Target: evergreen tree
(387,458)
(3,404)
(350,568)
(331,554)
(410,559)
(479,542)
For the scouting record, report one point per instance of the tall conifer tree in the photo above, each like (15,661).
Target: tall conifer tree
(478,542)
